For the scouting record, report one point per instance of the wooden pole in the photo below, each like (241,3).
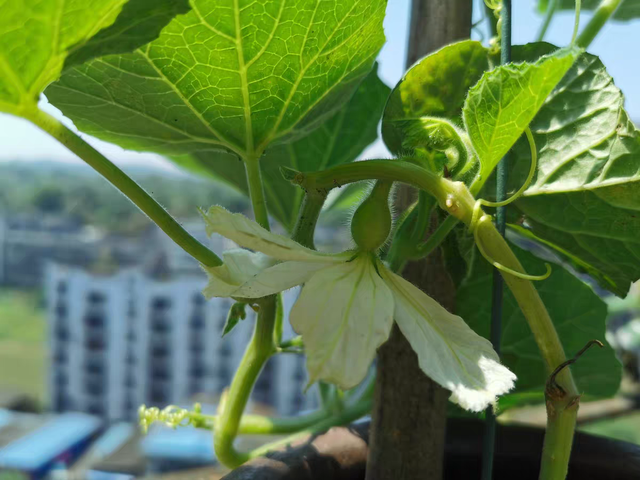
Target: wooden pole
(409,412)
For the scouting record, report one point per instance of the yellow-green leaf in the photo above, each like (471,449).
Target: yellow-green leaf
(36,36)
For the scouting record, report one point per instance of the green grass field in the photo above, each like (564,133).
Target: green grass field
(22,343)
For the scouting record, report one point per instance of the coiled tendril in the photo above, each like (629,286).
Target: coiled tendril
(478,216)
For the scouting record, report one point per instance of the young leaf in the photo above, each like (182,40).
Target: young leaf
(436,86)
(577,312)
(139,23)
(236,313)
(505,100)
(584,200)
(227,76)
(35,39)
(628,9)
(340,139)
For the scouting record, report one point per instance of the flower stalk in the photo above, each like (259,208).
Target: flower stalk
(456,199)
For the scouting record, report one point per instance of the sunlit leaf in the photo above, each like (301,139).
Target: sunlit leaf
(436,86)
(338,140)
(228,75)
(506,99)
(585,198)
(36,36)
(139,23)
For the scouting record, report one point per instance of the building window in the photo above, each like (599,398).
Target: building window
(263,391)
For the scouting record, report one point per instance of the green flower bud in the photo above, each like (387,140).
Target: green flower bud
(371,222)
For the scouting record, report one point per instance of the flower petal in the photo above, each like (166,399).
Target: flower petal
(448,350)
(278,278)
(249,234)
(344,313)
(238,267)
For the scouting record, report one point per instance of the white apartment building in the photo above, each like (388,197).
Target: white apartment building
(123,340)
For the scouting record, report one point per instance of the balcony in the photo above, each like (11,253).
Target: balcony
(160,323)
(94,320)
(94,341)
(61,379)
(160,303)
(197,343)
(197,321)
(95,364)
(61,331)
(60,356)
(94,385)
(159,371)
(96,407)
(159,393)
(225,350)
(130,380)
(61,310)
(96,298)
(159,348)
(197,370)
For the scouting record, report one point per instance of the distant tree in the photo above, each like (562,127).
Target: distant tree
(49,200)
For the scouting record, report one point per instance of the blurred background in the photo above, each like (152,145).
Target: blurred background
(100,312)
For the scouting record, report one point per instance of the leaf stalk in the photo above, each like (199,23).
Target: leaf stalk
(600,17)
(125,185)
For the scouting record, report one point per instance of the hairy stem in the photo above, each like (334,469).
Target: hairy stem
(305,226)
(260,348)
(348,415)
(126,185)
(256,191)
(600,17)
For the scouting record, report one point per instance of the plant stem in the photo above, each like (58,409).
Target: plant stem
(551,10)
(125,184)
(600,17)
(303,233)
(262,425)
(561,408)
(256,190)
(348,415)
(305,226)
(260,348)
(393,170)
(438,236)
(558,439)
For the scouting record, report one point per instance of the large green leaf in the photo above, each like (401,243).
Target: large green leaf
(436,86)
(235,75)
(585,198)
(578,314)
(35,38)
(628,9)
(338,140)
(139,23)
(501,105)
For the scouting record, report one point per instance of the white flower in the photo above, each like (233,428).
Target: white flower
(346,311)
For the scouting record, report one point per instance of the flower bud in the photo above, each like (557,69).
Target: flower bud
(371,222)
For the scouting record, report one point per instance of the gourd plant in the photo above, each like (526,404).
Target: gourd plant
(278,98)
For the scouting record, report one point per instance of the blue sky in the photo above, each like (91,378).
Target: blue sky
(19,140)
